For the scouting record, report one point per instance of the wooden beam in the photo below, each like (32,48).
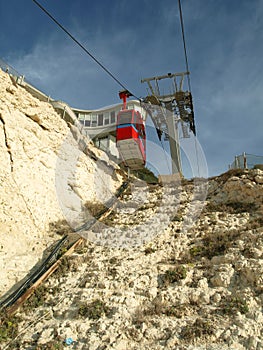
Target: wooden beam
(12,309)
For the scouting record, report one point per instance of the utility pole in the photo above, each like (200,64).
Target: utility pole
(169,110)
(173,134)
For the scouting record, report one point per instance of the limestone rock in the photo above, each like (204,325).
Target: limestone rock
(37,170)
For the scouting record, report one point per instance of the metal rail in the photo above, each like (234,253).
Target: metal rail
(52,257)
(14,300)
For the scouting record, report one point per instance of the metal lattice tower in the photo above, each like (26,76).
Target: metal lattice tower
(168,110)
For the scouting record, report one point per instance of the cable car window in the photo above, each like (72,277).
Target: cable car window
(135,119)
(125,117)
(87,123)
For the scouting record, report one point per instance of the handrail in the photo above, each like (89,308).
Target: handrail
(246,161)
(61,107)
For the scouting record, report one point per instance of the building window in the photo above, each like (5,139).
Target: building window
(107,119)
(93,120)
(112,117)
(87,120)
(100,119)
(81,117)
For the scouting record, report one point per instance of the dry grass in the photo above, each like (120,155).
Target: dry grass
(94,310)
(231,207)
(199,329)
(157,308)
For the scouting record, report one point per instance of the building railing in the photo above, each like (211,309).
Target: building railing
(246,161)
(11,71)
(61,107)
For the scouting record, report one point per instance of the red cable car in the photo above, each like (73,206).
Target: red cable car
(130,135)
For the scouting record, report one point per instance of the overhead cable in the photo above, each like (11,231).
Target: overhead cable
(82,47)
(184,43)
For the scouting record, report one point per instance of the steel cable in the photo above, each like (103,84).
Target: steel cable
(83,47)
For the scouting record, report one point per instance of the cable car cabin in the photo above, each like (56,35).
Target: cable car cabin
(130,138)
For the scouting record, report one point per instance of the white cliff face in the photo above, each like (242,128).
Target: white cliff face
(41,170)
(157,273)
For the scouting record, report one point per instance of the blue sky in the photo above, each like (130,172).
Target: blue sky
(142,38)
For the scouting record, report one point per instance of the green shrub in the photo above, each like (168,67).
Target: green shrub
(8,328)
(93,310)
(232,304)
(231,207)
(212,244)
(217,243)
(149,250)
(177,311)
(176,274)
(37,299)
(177,217)
(200,328)
(146,175)
(196,251)
(51,345)
(63,267)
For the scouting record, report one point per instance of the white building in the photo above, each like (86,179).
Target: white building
(100,124)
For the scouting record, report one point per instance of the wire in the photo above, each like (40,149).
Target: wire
(183,36)
(187,69)
(83,47)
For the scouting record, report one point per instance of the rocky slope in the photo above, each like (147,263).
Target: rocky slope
(45,177)
(196,284)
